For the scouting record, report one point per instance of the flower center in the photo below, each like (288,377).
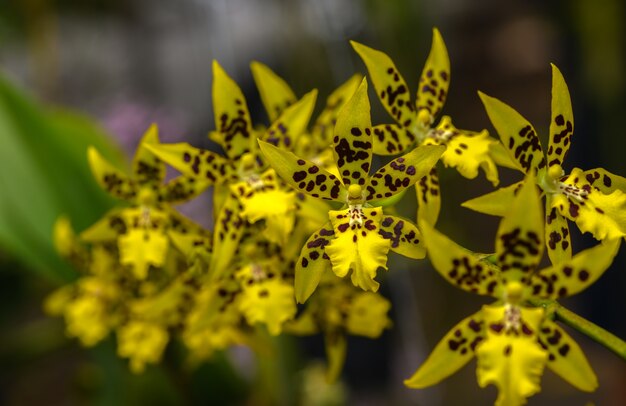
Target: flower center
(355,195)
(513,292)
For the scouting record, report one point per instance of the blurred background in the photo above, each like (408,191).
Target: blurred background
(75,73)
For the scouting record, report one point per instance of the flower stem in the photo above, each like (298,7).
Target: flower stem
(595,332)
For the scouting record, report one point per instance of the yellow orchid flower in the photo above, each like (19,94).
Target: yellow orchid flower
(358,237)
(512,340)
(415,123)
(595,199)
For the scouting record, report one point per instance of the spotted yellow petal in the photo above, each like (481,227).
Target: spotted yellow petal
(519,242)
(428,195)
(229,227)
(562,121)
(435,79)
(466,151)
(324,128)
(558,239)
(352,144)
(303,175)
(570,277)
(111,179)
(108,228)
(195,162)
(605,181)
(403,172)
(405,238)
(389,84)
(459,266)
(358,247)
(291,123)
(276,95)
(182,189)
(232,118)
(603,215)
(312,263)
(147,168)
(516,133)
(512,362)
(454,350)
(496,203)
(566,358)
(392,139)
(501,157)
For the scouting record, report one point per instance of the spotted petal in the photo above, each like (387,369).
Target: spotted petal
(292,122)
(603,215)
(459,266)
(516,133)
(496,203)
(519,242)
(276,95)
(405,238)
(147,168)
(435,78)
(303,175)
(111,179)
(108,228)
(514,363)
(557,234)
(562,121)
(352,143)
(312,263)
(403,172)
(391,139)
(195,162)
(466,151)
(232,118)
(454,350)
(570,277)
(324,127)
(389,84)
(605,181)
(182,189)
(428,196)
(566,358)
(228,230)
(357,246)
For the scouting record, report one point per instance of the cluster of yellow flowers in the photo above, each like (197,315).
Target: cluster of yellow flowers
(298,207)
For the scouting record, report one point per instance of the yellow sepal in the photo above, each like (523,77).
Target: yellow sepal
(276,94)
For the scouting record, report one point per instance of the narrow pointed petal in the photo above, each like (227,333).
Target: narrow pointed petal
(405,238)
(562,121)
(570,277)
(603,215)
(195,162)
(111,179)
(458,265)
(352,144)
(303,175)
(232,117)
(516,133)
(182,189)
(566,358)
(557,234)
(519,242)
(466,151)
(358,248)
(228,230)
(312,263)
(428,196)
(392,139)
(276,95)
(291,124)
(390,86)
(403,172)
(501,157)
(454,350)
(108,228)
(324,127)
(435,78)
(147,168)
(496,203)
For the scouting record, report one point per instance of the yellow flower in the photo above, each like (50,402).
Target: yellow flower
(142,342)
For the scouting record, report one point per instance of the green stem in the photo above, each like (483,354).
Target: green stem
(595,332)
